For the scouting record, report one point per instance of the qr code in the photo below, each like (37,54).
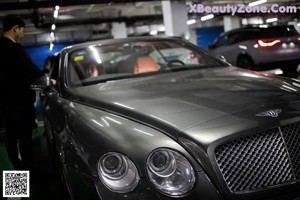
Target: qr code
(16,184)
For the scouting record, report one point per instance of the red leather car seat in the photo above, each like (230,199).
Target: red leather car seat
(145,64)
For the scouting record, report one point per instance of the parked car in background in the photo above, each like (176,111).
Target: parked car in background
(163,120)
(259,48)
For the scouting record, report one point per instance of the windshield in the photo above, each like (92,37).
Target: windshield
(100,63)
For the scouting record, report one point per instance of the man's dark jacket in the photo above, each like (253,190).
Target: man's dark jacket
(17,72)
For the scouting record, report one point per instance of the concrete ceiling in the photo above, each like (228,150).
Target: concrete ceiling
(77,14)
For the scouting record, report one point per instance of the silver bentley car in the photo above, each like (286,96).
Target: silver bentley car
(153,118)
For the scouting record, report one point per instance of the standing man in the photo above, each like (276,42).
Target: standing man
(17,72)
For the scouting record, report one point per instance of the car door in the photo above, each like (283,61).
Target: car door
(227,46)
(62,141)
(51,100)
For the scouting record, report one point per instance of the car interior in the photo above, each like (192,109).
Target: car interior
(145,64)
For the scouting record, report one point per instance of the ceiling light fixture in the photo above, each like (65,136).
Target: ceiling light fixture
(153,32)
(271,20)
(55,14)
(255,3)
(191,21)
(263,26)
(207,17)
(162,28)
(51,46)
(53,27)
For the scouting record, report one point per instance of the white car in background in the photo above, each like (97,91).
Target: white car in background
(258,48)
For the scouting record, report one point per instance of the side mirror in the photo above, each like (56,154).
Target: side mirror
(41,83)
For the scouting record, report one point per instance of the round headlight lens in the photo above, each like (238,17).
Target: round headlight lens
(118,172)
(170,172)
(162,163)
(113,166)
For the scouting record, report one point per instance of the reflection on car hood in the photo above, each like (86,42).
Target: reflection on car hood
(182,101)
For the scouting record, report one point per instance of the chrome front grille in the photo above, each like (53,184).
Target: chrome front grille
(291,135)
(260,160)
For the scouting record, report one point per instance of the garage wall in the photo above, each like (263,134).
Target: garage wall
(207,35)
(39,54)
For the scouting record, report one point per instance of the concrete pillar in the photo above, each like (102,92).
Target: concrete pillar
(231,22)
(175,16)
(193,36)
(119,30)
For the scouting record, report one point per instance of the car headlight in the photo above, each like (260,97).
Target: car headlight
(170,172)
(118,172)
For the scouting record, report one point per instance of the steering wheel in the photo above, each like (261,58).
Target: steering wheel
(174,62)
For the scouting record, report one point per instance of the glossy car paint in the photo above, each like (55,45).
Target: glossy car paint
(188,111)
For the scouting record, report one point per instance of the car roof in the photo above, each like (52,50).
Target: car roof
(255,28)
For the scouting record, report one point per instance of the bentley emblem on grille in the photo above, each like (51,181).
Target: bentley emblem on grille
(269,113)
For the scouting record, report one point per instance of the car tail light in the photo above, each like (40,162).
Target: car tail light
(267,43)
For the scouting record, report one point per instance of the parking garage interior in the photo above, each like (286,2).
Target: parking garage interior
(52,25)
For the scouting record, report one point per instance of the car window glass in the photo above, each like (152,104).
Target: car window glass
(229,39)
(241,36)
(104,62)
(250,35)
(51,67)
(54,71)
(278,31)
(234,38)
(221,41)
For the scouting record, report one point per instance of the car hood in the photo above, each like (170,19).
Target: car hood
(194,101)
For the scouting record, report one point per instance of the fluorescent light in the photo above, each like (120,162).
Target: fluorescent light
(162,28)
(55,14)
(271,20)
(207,17)
(255,3)
(52,36)
(51,46)
(191,21)
(53,27)
(153,32)
(263,26)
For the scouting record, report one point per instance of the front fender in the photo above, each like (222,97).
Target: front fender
(98,132)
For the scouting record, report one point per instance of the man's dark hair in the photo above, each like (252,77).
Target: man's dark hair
(11,20)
